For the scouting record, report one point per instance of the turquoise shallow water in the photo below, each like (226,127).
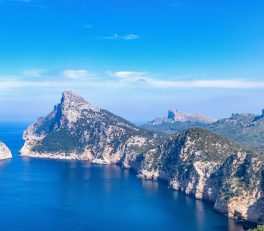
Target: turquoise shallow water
(39,194)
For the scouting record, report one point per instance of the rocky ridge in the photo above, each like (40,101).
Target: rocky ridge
(77,130)
(4,152)
(247,129)
(195,161)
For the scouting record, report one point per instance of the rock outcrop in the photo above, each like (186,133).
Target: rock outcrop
(77,130)
(195,161)
(210,167)
(4,152)
(175,115)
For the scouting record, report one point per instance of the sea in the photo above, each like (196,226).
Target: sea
(47,195)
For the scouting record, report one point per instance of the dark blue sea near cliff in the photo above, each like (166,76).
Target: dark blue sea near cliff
(39,194)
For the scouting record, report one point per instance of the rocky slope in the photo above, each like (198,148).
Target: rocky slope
(247,129)
(77,130)
(4,152)
(175,115)
(212,168)
(195,161)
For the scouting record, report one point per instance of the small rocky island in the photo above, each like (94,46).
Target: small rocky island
(4,152)
(194,161)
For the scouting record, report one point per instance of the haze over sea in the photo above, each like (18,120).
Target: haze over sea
(75,195)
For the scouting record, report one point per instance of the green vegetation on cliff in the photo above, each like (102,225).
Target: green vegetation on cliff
(258,228)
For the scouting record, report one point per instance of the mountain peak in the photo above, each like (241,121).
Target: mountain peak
(66,93)
(72,105)
(78,130)
(71,97)
(177,115)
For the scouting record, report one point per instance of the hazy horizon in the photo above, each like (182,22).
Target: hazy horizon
(34,116)
(136,59)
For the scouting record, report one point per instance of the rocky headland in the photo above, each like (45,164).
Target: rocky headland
(194,161)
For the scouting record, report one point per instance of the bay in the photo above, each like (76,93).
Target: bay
(41,194)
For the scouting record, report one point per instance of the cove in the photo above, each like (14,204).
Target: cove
(41,194)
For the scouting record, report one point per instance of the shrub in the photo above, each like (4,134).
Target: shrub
(258,228)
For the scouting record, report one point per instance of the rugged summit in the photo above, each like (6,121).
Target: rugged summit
(4,152)
(175,115)
(77,130)
(195,161)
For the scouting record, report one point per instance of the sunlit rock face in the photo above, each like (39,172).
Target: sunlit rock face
(242,191)
(195,161)
(4,152)
(212,168)
(77,130)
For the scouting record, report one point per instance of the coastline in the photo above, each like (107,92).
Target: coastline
(71,156)
(144,176)
(5,158)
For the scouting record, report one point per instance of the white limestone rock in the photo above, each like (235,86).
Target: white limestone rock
(77,130)
(5,153)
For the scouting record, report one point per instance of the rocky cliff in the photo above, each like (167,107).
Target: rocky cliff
(77,130)
(196,161)
(210,167)
(4,152)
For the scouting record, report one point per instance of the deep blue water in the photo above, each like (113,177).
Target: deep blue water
(38,194)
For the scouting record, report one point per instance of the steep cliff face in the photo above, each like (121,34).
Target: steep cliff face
(4,152)
(210,167)
(77,130)
(196,161)
(242,187)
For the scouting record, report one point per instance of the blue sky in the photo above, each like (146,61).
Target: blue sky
(135,58)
